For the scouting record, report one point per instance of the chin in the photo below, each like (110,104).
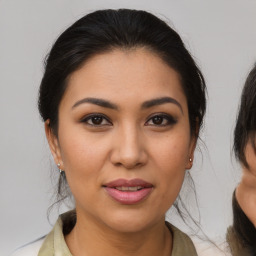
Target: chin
(130,222)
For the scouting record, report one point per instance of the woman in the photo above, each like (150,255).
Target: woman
(242,236)
(123,102)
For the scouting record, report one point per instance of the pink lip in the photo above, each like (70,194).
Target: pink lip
(128,197)
(128,183)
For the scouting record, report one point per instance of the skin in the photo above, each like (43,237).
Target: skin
(246,190)
(128,144)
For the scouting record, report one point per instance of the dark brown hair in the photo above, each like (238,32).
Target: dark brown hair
(104,30)
(245,130)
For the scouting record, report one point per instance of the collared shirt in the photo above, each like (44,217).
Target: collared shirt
(55,245)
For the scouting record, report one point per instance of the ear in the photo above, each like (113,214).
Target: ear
(53,143)
(192,148)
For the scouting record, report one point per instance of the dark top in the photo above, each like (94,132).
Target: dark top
(242,235)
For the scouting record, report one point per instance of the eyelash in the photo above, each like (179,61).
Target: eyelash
(168,118)
(90,117)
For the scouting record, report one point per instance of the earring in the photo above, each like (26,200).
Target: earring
(61,171)
(190,160)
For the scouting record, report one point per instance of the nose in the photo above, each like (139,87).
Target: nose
(129,149)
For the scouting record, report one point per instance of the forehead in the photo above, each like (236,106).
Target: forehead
(136,74)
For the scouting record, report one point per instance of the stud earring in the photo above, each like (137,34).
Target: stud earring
(60,170)
(190,160)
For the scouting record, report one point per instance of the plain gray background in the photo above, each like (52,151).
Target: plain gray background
(220,34)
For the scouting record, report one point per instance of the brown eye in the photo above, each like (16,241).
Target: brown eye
(96,120)
(161,120)
(158,120)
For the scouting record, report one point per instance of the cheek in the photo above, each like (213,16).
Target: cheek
(83,165)
(250,157)
(83,158)
(171,158)
(173,152)
(78,147)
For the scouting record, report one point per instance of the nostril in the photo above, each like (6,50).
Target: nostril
(117,164)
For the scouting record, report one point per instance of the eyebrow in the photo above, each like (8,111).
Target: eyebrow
(160,101)
(146,104)
(96,101)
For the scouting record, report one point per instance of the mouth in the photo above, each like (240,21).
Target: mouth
(128,191)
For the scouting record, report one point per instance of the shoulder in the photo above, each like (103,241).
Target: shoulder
(242,235)
(237,244)
(182,244)
(195,246)
(30,249)
(179,236)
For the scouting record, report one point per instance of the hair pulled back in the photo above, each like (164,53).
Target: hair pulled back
(105,30)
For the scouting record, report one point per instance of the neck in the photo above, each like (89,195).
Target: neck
(89,238)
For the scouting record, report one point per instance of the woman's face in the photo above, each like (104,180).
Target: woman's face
(123,139)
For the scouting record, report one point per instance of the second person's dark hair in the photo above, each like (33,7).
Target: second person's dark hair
(245,130)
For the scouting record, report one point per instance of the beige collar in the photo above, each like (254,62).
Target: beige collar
(55,245)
